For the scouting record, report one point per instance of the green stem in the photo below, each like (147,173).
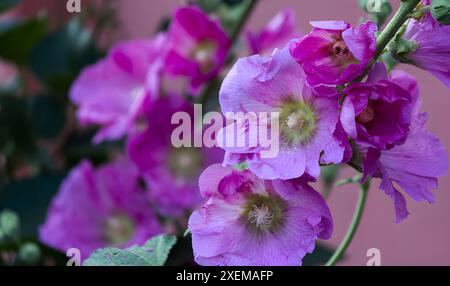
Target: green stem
(353,225)
(244,17)
(400,17)
(234,36)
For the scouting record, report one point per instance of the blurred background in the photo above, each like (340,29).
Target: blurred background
(422,239)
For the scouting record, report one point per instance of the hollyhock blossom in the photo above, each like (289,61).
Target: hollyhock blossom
(377,113)
(171,173)
(110,92)
(275,34)
(334,52)
(413,166)
(251,222)
(431,50)
(307,122)
(198,46)
(101,207)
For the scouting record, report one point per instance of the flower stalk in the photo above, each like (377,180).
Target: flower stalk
(400,17)
(353,225)
(397,21)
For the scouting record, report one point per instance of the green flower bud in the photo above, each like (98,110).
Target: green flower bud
(9,223)
(401,48)
(379,10)
(440,10)
(29,253)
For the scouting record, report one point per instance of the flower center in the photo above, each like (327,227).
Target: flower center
(204,55)
(297,122)
(366,116)
(185,163)
(263,213)
(119,228)
(340,49)
(261,216)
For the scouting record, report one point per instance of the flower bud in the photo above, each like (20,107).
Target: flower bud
(379,10)
(29,253)
(440,10)
(9,223)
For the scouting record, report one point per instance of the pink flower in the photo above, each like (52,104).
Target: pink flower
(101,207)
(275,34)
(198,46)
(171,173)
(335,53)
(251,222)
(413,166)
(377,113)
(432,50)
(307,122)
(110,92)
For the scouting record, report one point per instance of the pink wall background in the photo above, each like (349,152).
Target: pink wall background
(424,237)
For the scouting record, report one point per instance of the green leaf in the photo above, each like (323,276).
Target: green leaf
(153,253)
(59,57)
(7,4)
(17,41)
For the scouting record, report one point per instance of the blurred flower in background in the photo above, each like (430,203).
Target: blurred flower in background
(171,173)
(280,30)
(99,207)
(198,46)
(110,93)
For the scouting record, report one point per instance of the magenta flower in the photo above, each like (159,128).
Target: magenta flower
(171,173)
(101,207)
(110,92)
(413,166)
(431,48)
(275,34)
(307,121)
(251,222)
(198,46)
(335,53)
(377,113)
